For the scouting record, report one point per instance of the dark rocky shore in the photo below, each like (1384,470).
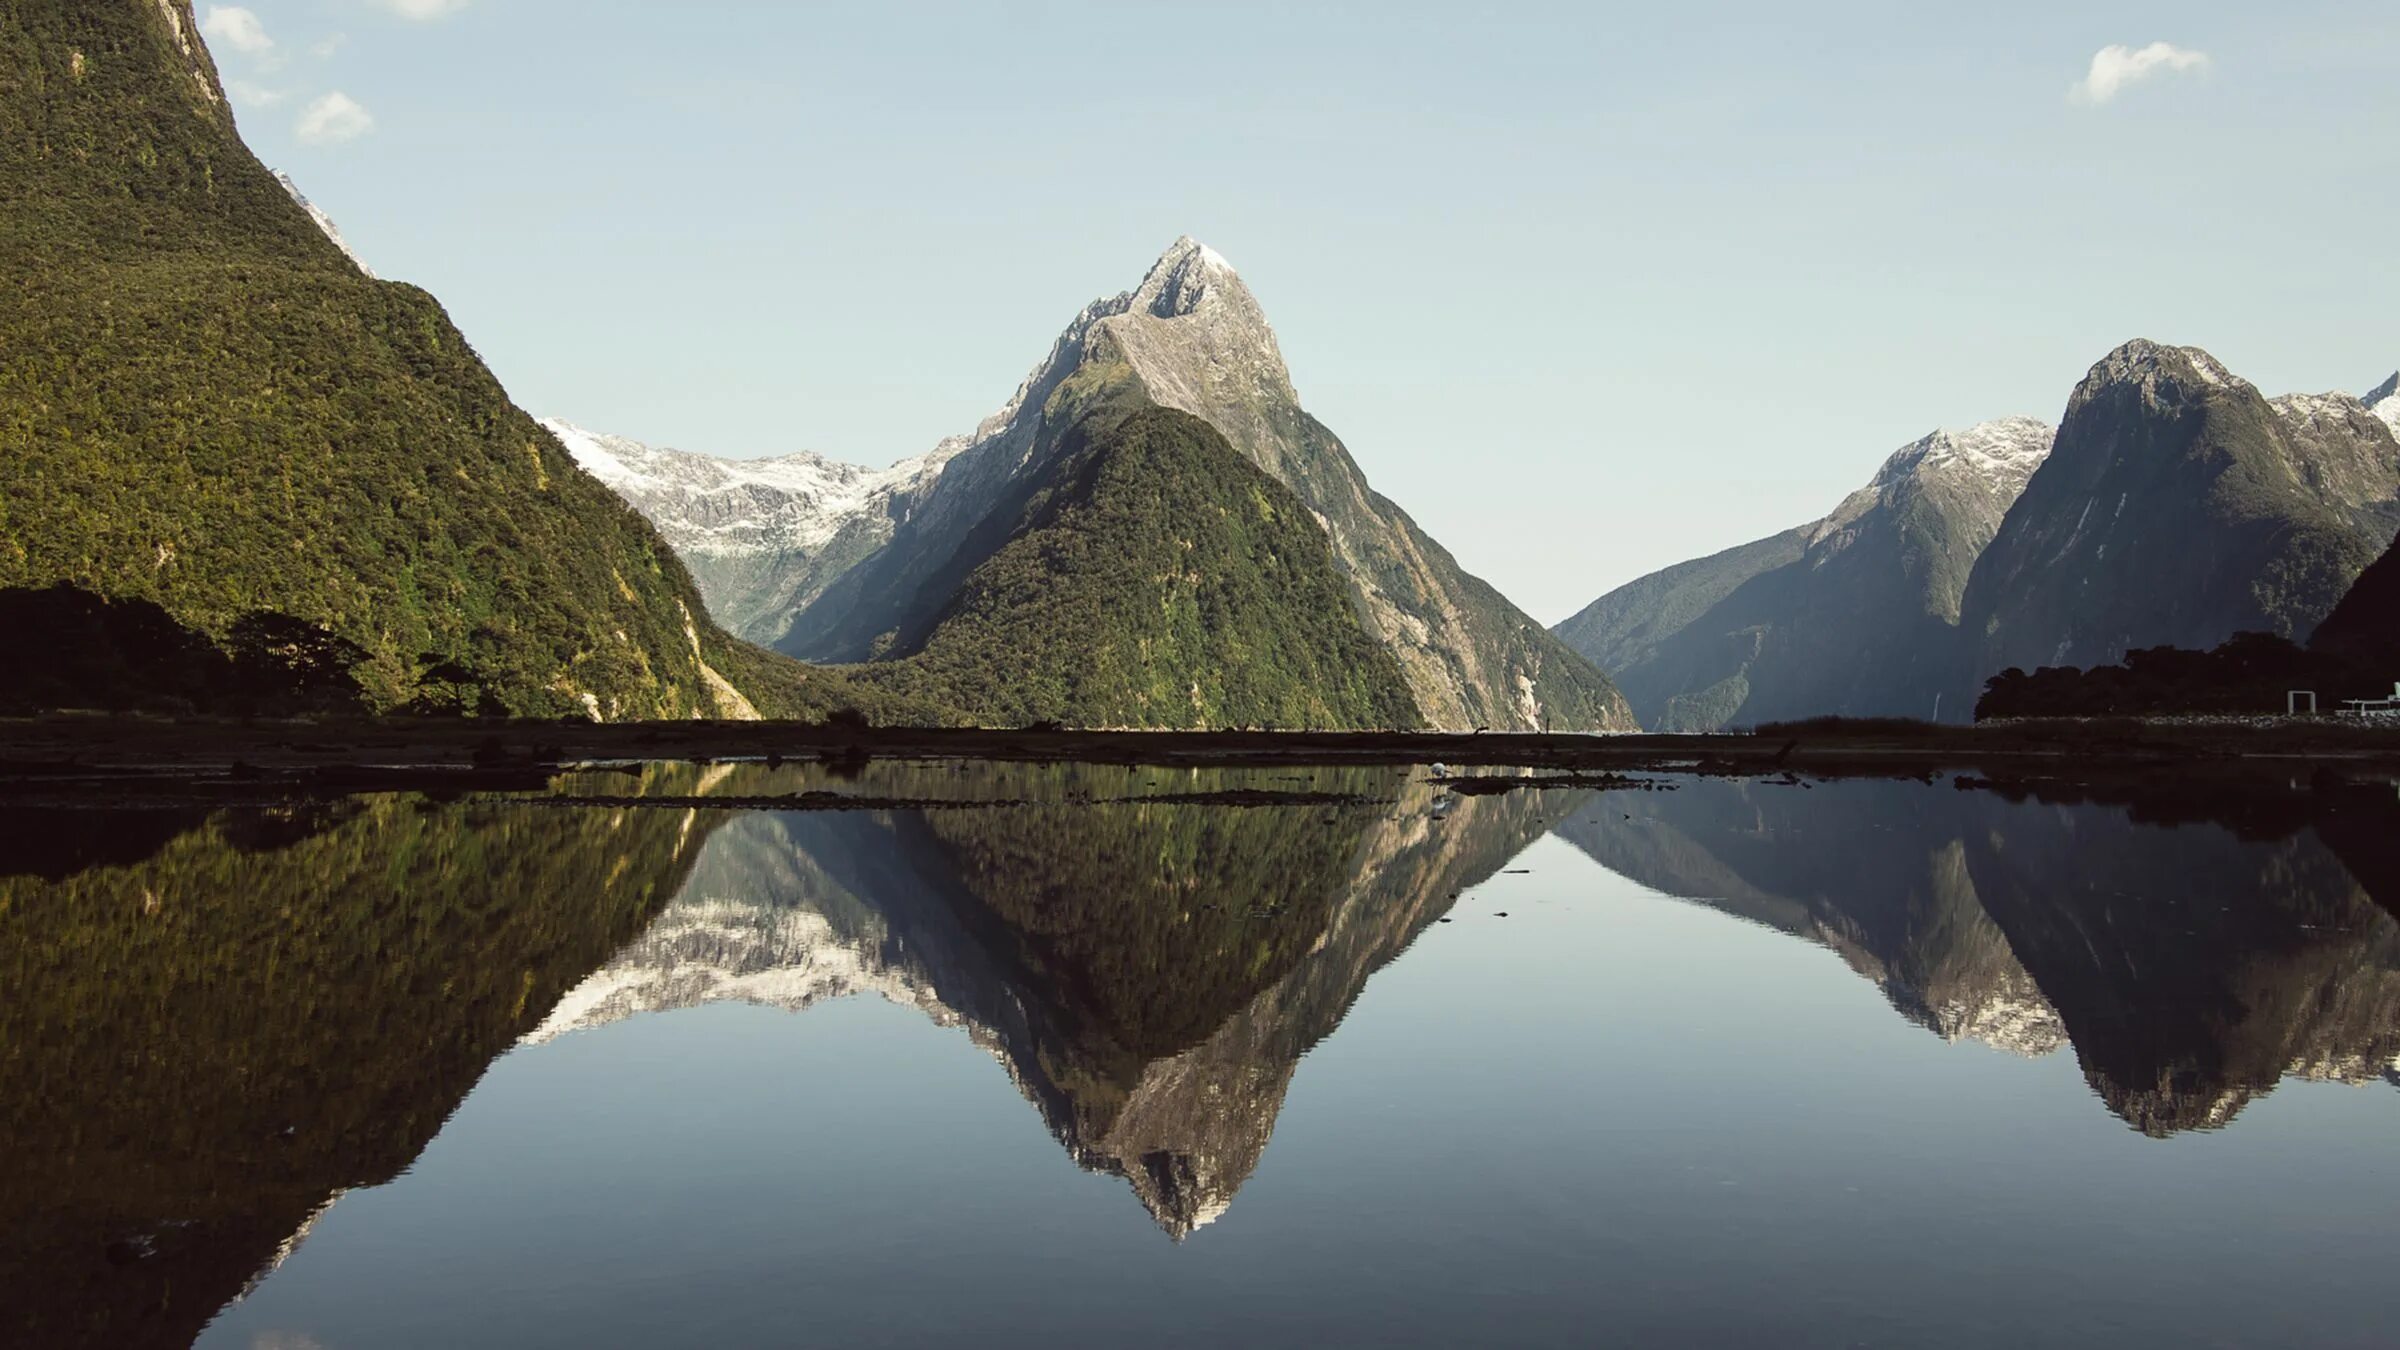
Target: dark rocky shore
(96,757)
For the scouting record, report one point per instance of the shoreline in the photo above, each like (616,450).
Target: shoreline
(84,757)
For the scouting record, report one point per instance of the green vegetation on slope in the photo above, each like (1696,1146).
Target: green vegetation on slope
(1156,578)
(205,405)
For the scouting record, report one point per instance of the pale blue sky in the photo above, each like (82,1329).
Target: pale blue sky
(1589,289)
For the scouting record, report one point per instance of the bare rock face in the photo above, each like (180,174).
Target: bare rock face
(2175,505)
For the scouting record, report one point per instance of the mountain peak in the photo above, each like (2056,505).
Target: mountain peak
(2163,374)
(1183,277)
(2141,357)
(2004,451)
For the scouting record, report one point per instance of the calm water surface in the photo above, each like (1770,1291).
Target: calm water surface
(1863,1063)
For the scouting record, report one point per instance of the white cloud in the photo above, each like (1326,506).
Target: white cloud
(237,28)
(251,95)
(324,50)
(424,9)
(2116,68)
(333,119)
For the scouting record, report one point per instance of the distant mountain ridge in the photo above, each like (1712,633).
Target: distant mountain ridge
(325,223)
(762,537)
(2175,505)
(1192,338)
(2384,401)
(1852,614)
(2365,626)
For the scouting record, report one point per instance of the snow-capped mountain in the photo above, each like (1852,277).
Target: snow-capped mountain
(1852,614)
(762,537)
(324,222)
(1994,457)
(2384,401)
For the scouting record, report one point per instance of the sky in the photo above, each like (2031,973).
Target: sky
(1589,289)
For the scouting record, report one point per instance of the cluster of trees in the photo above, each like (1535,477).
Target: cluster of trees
(2248,673)
(75,649)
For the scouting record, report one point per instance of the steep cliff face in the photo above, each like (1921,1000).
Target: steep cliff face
(2178,508)
(1855,614)
(206,405)
(1192,338)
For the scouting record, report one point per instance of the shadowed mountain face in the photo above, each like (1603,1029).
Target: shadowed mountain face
(1148,974)
(2191,964)
(2179,507)
(1855,614)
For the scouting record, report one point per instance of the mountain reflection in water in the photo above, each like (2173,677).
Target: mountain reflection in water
(1149,974)
(205,1045)
(2191,963)
(218,1022)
